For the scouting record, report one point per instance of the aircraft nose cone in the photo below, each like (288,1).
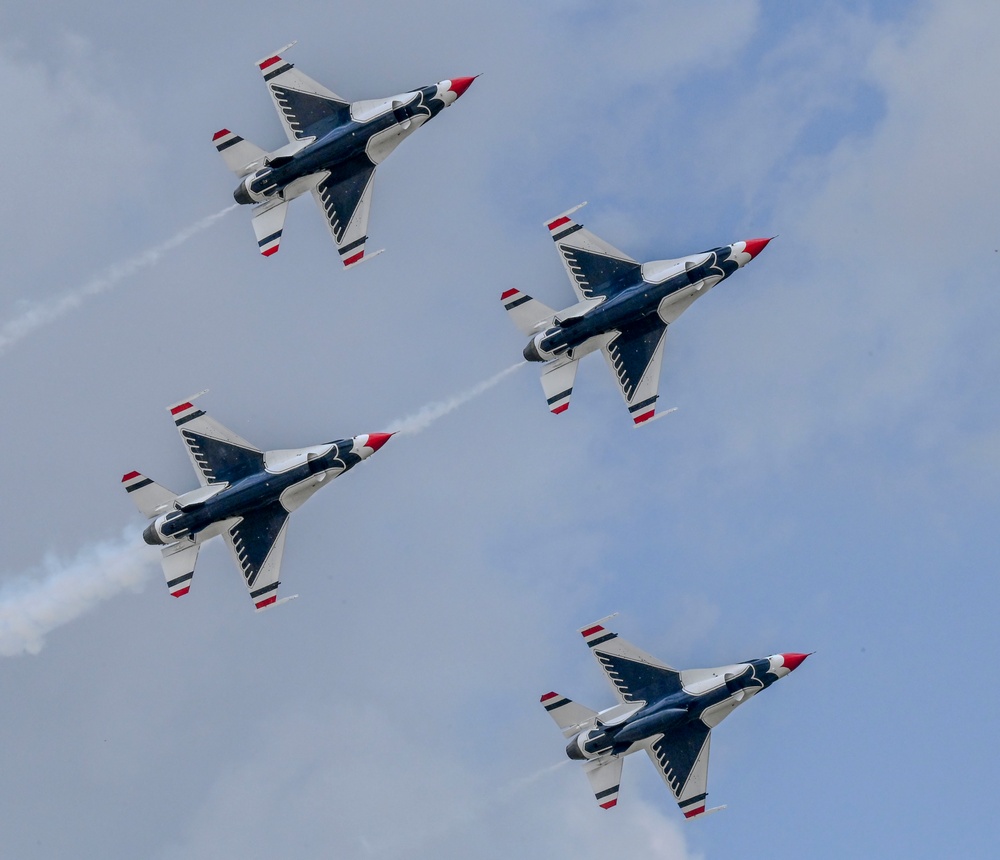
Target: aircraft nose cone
(377,440)
(755,246)
(460,85)
(792,661)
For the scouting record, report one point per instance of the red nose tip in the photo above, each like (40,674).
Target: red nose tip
(755,246)
(792,661)
(460,85)
(377,440)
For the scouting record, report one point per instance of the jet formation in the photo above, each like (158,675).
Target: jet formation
(333,149)
(668,713)
(246,495)
(623,309)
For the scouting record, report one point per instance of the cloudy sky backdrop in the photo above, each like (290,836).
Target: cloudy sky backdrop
(828,484)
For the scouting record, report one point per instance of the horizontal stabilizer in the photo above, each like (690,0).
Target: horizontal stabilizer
(178,566)
(570,716)
(605,779)
(149,497)
(241,156)
(527,313)
(268,222)
(557,383)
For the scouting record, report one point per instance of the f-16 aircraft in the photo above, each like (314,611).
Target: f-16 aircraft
(246,496)
(333,149)
(623,309)
(668,713)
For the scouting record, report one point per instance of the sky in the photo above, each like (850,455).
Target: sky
(828,483)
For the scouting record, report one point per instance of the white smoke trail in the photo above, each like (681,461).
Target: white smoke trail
(430,413)
(445,823)
(30,608)
(36,316)
(519,784)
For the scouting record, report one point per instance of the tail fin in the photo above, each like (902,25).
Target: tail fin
(241,156)
(528,314)
(268,222)
(557,383)
(149,497)
(179,560)
(569,715)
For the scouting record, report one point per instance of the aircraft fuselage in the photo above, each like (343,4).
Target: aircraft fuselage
(288,481)
(709,701)
(341,146)
(694,275)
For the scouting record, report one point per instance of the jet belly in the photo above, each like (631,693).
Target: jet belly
(628,307)
(248,494)
(338,145)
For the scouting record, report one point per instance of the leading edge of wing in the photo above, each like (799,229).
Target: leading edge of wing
(345,201)
(218,454)
(635,356)
(595,268)
(257,541)
(682,760)
(634,675)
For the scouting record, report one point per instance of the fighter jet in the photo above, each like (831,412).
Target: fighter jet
(668,713)
(246,496)
(623,309)
(333,149)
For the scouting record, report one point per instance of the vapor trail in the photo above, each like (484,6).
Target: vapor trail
(30,607)
(430,413)
(38,315)
(446,823)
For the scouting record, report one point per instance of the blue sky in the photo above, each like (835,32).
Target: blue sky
(828,483)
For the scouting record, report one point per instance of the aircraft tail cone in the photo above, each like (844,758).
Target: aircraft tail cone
(460,85)
(792,661)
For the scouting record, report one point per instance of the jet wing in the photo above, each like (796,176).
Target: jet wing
(605,778)
(345,198)
(634,675)
(218,454)
(304,107)
(258,541)
(682,760)
(635,356)
(594,267)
